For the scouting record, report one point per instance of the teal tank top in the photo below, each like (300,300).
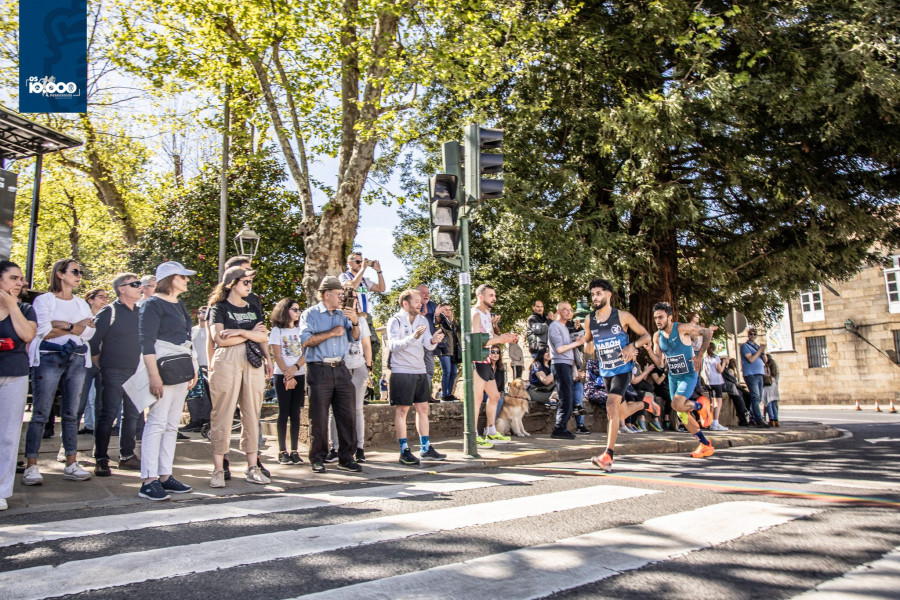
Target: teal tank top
(678,354)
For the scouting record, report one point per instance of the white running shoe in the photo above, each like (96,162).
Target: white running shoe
(74,472)
(32,476)
(717,427)
(3,504)
(625,429)
(61,455)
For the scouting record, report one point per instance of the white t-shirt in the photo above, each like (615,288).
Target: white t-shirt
(198,339)
(291,347)
(486,327)
(355,358)
(47,308)
(713,377)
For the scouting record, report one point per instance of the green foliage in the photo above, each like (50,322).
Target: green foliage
(188,231)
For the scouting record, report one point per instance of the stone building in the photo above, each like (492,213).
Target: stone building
(840,342)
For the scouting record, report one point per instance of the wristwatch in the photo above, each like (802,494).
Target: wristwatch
(70,327)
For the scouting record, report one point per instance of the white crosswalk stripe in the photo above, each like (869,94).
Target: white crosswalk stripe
(874,581)
(43,532)
(134,567)
(543,570)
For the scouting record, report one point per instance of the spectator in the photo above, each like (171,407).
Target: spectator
(198,402)
(739,397)
(355,277)
(562,355)
(164,331)
(358,361)
(117,351)
(538,328)
(771,397)
(290,375)
(18,326)
(541,384)
(383,387)
(237,329)
(428,309)
(66,320)
(642,384)
(148,287)
(449,351)
(495,356)
(97,298)
(326,331)
(753,368)
(516,359)
(712,369)
(408,339)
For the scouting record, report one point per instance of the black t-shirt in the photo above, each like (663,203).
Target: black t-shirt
(235,317)
(14,363)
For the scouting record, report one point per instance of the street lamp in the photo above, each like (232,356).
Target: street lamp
(246,242)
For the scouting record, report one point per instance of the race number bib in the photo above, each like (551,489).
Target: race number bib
(610,355)
(677,364)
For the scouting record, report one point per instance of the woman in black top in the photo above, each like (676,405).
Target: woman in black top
(18,326)
(449,352)
(236,327)
(541,384)
(164,325)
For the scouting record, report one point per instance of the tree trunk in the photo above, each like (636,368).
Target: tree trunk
(665,286)
(74,233)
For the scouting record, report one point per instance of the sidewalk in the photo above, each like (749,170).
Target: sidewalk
(193,465)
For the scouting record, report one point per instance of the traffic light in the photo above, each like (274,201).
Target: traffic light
(444,215)
(477,351)
(480,163)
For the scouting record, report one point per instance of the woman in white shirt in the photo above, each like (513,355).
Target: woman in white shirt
(290,375)
(58,355)
(712,369)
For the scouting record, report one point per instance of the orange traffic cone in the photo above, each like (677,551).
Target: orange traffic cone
(893,409)
(877,409)
(857,405)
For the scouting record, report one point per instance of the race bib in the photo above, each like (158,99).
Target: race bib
(610,355)
(677,364)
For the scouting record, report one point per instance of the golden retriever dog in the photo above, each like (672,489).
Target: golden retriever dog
(515,406)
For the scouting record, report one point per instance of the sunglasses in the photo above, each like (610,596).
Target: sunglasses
(294,309)
(495,352)
(356,262)
(751,333)
(247,281)
(133,284)
(76,272)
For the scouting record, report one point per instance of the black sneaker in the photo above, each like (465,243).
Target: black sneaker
(349,466)
(433,400)
(582,430)
(579,411)
(181,436)
(283,458)
(225,467)
(564,434)
(432,454)
(176,487)
(262,469)
(360,455)
(102,468)
(408,458)
(192,427)
(295,458)
(318,467)
(332,456)
(153,491)
(85,431)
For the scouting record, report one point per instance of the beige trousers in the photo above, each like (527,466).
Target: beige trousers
(233,382)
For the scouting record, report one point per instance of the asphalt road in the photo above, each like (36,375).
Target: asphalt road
(817,518)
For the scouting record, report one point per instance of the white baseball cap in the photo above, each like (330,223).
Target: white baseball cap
(170,268)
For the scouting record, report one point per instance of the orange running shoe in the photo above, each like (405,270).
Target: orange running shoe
(652,406)
(703,450)
(604,461)
(704,412)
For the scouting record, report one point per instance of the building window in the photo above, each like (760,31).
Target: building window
(811,307)
(817,351)
(892,284)
(897,346)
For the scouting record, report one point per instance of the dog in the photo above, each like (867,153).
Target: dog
(515,406)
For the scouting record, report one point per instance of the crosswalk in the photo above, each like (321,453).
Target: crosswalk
(619,527)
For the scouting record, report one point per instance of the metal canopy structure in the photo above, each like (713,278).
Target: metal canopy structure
(20,139)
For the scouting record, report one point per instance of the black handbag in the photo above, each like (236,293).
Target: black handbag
(254,354)
(175,369)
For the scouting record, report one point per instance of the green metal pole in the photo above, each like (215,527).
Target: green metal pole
(465,310)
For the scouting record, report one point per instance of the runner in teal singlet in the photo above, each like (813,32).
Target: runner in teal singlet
(673,342)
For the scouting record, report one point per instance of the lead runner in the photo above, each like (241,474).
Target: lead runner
(607,331)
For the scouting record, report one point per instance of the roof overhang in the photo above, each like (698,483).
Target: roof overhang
(21,138)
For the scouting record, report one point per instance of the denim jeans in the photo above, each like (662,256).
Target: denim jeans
(88,406)
(578,391)
(448,376)
(565,385)
(115,401)
(56,368)
(755,385)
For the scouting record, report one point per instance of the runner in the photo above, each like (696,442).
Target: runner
(483,373)
(607,331)
(674,340)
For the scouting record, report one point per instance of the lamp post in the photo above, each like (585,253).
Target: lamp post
(246,242)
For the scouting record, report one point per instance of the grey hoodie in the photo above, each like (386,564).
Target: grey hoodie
(407,352)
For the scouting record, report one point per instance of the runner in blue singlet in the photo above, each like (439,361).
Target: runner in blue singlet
(673,341)
(607,333)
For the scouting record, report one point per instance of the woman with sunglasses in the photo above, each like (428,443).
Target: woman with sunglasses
(164,329)
(18,325)
(290,375)
(237,330)
(58,355)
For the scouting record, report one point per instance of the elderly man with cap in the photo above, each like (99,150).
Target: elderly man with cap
(326,332)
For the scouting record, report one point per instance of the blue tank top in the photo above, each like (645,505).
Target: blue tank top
(609,339)
(678,354)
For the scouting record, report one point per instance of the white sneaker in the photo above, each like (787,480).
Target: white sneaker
(75,473)
(3,504)
(61,455)
(32,476)
(625,429)
(717,427)
(254,475)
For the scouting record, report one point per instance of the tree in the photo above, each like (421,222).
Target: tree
(188,231)
(707,154)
